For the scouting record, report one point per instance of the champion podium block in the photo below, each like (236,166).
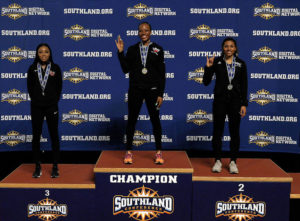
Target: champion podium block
(144,190)
(70,197)
(261,191)
(295,191)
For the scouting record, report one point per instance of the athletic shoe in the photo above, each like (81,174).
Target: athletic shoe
(128,158)
(55,172)
(217,168)
(159,158)
(37,172)
(233,168)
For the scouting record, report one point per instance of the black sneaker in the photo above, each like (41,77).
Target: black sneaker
(38,171)
(55,172)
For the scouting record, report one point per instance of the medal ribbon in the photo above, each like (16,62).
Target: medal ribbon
(230,69)
(43,81)
(144,53)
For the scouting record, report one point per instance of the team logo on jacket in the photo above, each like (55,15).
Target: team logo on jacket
(13,138)
(47,210)
(143,204)
(264,54)
(199,117)
(240,208)
(75,117)
(76,32)
(76,75)
(196,75)
(267,11)
(14,97)
(262,139)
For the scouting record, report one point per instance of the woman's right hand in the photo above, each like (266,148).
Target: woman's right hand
(120,44)
(210,61)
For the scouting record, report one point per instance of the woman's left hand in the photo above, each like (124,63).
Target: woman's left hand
(159,101)
(243,111)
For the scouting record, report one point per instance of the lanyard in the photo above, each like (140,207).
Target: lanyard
(144,53)
(43,81)
(230,69)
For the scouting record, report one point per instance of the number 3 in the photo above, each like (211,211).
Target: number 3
(47,193)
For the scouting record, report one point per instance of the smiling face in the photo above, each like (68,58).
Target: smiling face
(144,33)
(44,53)
(229,48)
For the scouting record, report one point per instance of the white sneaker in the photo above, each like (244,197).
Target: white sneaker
(217,168)
(233,167)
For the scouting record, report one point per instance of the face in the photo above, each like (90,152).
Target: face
(144,32)
(44,53)
(229,48)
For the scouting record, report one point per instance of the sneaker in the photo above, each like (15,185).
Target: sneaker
(233,168)
(55,172)
(159,158)
(37,172)
(128,158)
(217,168)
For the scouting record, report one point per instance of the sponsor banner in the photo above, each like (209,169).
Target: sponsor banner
(88,11)
(270,76)
(13,138)
(86,138)
(87,54)
(263,139)
(266,54)
(78,32)
(25,32)
(13,75)
(86,96)
(140,138)
(204,32)
(215,11)
(76,117)
(268,11)
(77,75)
(15,54)
(14,97)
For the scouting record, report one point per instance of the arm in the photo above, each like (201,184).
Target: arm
(162,78)
(59,82)
(124,60)
(30,82)
(208,71)
(244,86)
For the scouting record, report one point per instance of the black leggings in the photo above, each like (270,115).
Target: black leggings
(37,119)
(135,101)
(220,110)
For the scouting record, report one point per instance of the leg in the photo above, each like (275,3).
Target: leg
(219,114)
(37,119)
(234,130)
(52,122)
(135,101)
(151,98)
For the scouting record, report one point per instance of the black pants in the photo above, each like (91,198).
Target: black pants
(220,110)
(135,101)
(37,118)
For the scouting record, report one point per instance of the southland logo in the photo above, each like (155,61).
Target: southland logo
(75,117)
(262,139)
(78,32)
(47,210)
(13,138)
(204,32)
(76,75)
(196,75)
(140,138)
(263,97)
(268,11)
(141,11)
(15,54)
(199,117)
(14,97)
(240,207)
(143,204)
(264,54)
(15,11)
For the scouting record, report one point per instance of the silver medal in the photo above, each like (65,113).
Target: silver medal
(144,71)
(229,87)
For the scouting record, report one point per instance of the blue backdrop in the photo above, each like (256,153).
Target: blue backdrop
(93,108)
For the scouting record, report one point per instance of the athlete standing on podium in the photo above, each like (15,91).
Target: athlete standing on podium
(44,84)
(145,63)
(230,98)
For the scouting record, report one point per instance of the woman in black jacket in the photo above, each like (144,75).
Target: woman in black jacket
(44,83)
(145,63)
(230,98)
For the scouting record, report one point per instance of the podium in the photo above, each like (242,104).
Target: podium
(144,190)
(261,191)
(69,197)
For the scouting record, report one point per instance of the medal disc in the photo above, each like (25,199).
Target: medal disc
(229,87)
(144,71)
